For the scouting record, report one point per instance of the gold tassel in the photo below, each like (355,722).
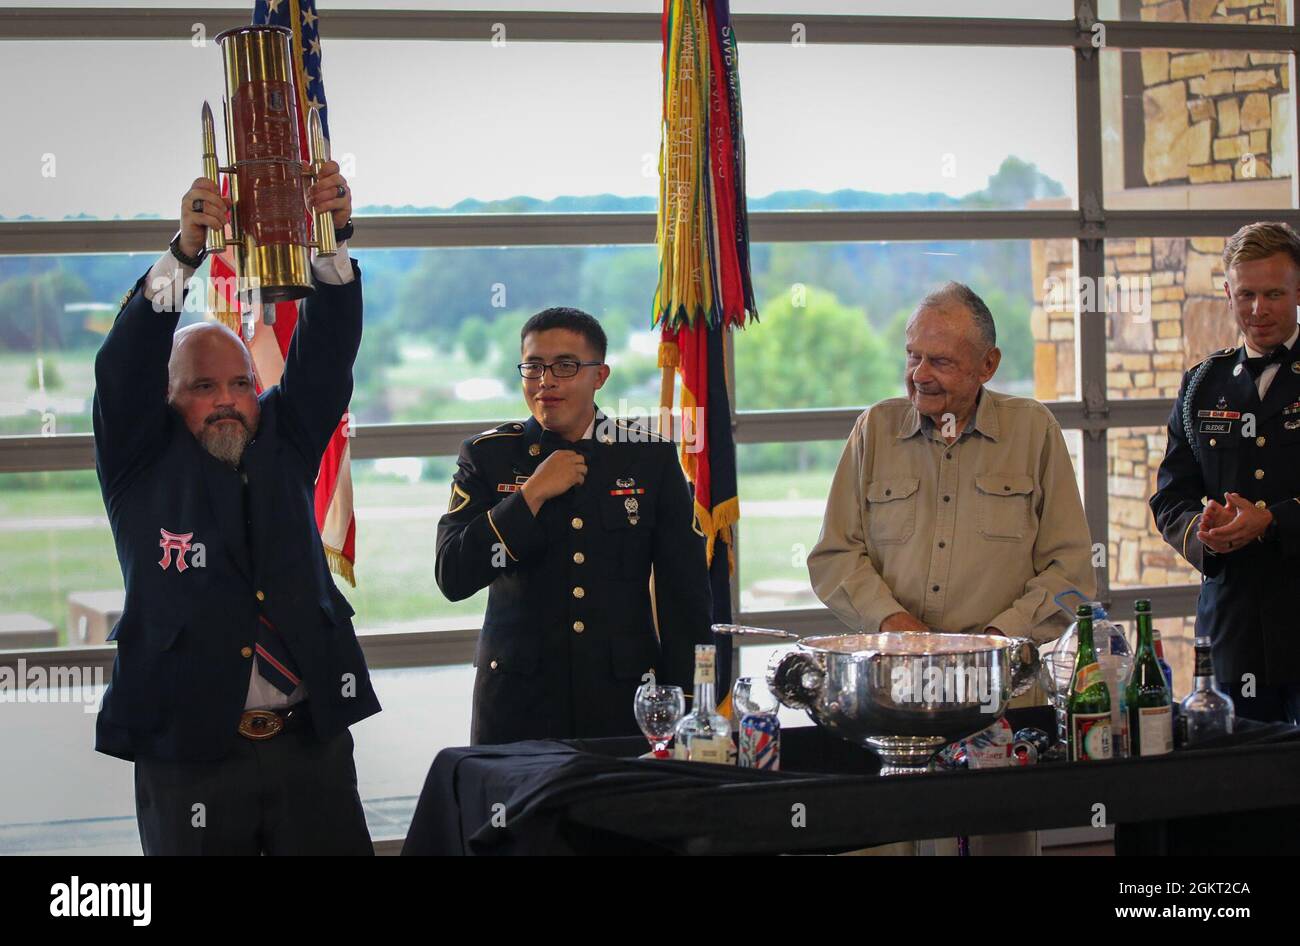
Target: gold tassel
(339,565)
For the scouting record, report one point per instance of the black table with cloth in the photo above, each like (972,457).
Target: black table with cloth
(1240,794)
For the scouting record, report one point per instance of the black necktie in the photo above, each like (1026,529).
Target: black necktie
(551,441)
(1256,366)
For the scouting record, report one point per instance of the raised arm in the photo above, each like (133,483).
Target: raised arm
(129,413)
(316,385)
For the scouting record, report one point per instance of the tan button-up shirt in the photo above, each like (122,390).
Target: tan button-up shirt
(983,532)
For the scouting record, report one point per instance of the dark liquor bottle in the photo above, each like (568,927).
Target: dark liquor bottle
(1150,710)
(1207,710)
(1087,704)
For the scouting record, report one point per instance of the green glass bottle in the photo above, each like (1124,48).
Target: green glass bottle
(1087,705)
(1150,704)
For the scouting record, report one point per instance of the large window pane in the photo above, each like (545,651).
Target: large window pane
(434,127)
(1138,554)
(833,317)
(1197,129)
(783,489)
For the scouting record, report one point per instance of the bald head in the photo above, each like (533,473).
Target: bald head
(951,354)
(210,384)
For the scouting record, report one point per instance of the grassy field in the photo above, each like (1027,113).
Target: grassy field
(395,584)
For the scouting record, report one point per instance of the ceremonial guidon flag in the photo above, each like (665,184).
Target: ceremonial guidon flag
(704,276)
(270,344)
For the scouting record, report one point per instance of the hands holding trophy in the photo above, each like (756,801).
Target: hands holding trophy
(271,185)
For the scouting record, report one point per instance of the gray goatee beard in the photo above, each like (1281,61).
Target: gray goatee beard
(226,442)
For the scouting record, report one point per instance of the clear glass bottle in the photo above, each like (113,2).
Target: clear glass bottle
(1207,711)
(704,734)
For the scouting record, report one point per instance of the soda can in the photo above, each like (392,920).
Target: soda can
(760,741)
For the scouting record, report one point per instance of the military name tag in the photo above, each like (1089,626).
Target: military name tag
(1229,415)
(1216,427)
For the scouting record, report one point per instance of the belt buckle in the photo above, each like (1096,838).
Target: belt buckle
(260,724)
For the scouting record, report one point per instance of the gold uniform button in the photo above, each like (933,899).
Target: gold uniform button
(576,522)
(1260,504)
(1259,474)
(261,596)
(579,558)
(246,652)
(1259,441)
(579,592)
(493,665)
(1213,442)
(534,450)
(579,627)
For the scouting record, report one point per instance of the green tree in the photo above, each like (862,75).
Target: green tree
(818,354)
(474,339)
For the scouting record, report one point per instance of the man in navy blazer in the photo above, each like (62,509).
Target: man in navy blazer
(238,671)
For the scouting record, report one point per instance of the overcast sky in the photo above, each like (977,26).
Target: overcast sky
(434,123)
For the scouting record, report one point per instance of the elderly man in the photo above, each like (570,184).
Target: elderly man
(954,508)
(1234,436)
(237,671)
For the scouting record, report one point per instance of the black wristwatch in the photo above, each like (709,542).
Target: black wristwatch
(343,233)
(193,262)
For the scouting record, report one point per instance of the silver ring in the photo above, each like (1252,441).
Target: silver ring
(342,191)
(196,205)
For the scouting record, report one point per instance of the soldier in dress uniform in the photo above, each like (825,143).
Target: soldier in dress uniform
(1234,439)
(562,518)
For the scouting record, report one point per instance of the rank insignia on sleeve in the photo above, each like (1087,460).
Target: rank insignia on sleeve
(459,499)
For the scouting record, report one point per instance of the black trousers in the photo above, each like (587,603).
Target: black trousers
(289,794)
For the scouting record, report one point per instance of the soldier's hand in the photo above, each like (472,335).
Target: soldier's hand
(1248,523)
(325,195)
(212,212)
(556,475)
(1215,515)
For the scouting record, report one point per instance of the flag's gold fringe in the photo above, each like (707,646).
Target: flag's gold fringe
(719,523)
(339,564)
(221,309)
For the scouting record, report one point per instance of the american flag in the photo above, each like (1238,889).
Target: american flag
(334,510)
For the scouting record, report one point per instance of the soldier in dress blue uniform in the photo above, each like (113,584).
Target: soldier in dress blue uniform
(1234,438)
(237,671)
(562,517)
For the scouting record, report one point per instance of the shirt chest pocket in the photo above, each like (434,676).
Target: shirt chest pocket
(622,547)
(1002,505)
(891,509)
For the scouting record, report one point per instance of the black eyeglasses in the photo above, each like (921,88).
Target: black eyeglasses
(564,368)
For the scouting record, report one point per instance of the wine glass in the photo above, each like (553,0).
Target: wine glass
(658,709)
(751,695)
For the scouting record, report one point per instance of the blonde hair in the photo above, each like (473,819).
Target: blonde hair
(1257,241)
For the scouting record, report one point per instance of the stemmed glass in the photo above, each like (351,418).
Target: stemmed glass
(751,695)
(658,709)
